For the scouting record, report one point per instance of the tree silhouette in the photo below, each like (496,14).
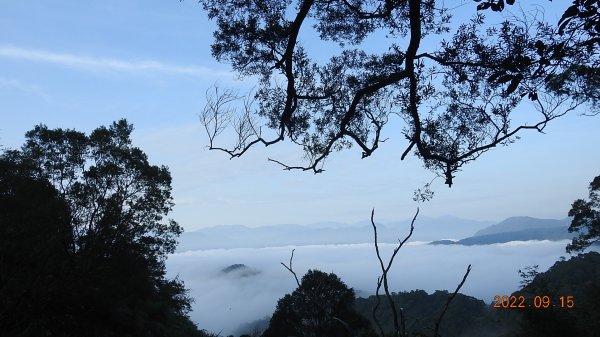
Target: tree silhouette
(322,305)
(575,314)
(586,219)
(115,195)
(83,240)
(34,231)
(454,95)
(581,76)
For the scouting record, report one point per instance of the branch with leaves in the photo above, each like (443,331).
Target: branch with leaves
(456,100)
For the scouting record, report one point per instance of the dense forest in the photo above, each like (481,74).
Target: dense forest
(467,316)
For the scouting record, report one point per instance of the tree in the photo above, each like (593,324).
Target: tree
(84,238)
(527,274)
(322,305)
(455,96)
(570,294)
(586,219)
(581,76)
(115,195)
(34,229)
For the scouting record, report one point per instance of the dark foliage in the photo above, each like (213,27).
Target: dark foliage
(115,195)
(322,306)
(578,277)
(82,240)
(580,79)
(34,232)
(466,316)
(455,96)
(254,328)
(586,219)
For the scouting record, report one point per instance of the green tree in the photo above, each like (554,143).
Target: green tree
(85,239)
(321,306)
(455,97)
(586,219)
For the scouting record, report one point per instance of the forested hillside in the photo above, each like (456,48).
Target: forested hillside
(466,316)
(568,299)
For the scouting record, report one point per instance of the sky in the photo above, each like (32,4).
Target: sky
(74,64)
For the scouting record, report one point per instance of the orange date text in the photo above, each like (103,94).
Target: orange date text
(537,302)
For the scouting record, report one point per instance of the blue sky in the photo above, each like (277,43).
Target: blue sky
(74,64)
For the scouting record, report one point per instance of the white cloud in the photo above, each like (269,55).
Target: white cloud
(222,303)
(100,63)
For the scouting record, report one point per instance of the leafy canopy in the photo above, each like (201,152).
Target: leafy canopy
(453,85)
(115,195)
(586,219)
(322,305)
(83,238)
(573,287)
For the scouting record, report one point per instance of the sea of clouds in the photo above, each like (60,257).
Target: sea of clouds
(223,301)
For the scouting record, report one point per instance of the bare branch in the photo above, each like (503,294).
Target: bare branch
(437,324)
(343,323)
(408,149)
(290,269)
(303,168)
(221,111)
(399,327)
(376,307)
(217,112)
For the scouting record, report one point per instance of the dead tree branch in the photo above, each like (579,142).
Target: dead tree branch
(290,268)
(399,327)
(437,324)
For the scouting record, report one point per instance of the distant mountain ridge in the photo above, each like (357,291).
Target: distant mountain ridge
(519,223)
(239,236)
(520,228)
(442,230)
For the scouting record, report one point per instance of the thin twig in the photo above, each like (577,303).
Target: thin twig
(290,269)
(437,324)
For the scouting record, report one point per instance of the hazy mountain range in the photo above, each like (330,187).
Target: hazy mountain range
(441,230)
(518,229)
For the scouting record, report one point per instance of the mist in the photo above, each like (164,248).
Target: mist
(223,301)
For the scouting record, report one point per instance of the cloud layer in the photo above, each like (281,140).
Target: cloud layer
(99,63)
(225,301)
